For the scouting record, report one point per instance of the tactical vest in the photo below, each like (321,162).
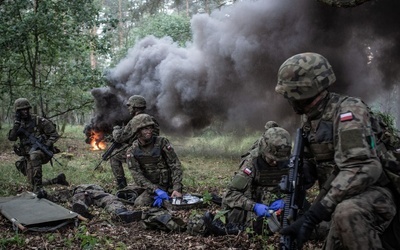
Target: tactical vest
(266,175)
(320,132)
(153,164)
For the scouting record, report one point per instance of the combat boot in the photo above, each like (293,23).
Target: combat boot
(128,216)
(41,193)
(81,209)
(218,228)
(60,179)
(121,183)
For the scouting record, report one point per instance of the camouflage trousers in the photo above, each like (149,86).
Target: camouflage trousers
(358,222)
(94,195)
(116,163)
(146,199)
(34,162)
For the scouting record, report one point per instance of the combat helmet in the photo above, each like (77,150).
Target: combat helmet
(304,76)
(21,103)
(276,144)
(141,121)
(136,101)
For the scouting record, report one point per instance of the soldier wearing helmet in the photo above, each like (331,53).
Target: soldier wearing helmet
(31,157)
(125,135)
(338,137)
(154,164)
(260,170)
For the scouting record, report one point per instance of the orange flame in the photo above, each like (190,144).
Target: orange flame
(96,141)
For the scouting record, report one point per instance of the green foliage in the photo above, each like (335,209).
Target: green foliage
(221,215)
(263,237)
(17,240)
(207,197)
(87,240)
(45,49)
(175,26)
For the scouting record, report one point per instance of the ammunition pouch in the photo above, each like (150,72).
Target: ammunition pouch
(162,220)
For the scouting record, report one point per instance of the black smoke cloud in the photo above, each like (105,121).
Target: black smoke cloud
(228,73)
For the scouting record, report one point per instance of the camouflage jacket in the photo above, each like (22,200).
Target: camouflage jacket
(254,177)
(41,128)
(127,134)
(341,137)
(155,165)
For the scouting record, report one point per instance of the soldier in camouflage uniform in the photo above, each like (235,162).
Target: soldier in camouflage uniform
(86,195)
(32,159)
(338,136)
(260,170)
(154,164)
(136,105)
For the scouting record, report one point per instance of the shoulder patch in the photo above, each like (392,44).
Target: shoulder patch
(247,171)
(348,116)
(168,147)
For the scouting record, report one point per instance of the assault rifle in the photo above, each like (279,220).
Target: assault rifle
(108,154)
(37,144)
(292,185)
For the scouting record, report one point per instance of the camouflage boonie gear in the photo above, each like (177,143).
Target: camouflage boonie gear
(304,76)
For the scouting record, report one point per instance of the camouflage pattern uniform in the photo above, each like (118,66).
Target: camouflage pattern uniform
(339,135)
(92,194)
(154,166)
(46,133)
(125,135)
(255,175)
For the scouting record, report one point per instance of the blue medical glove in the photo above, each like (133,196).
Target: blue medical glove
(161,195)
(261,210)
(157,202)
(276,205)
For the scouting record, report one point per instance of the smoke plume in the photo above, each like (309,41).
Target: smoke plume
(228,73)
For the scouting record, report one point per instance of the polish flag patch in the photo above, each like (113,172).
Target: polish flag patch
(346,117)
(247,171)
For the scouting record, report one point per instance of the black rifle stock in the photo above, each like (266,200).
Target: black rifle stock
(292,185)
(36,144)
(108,154)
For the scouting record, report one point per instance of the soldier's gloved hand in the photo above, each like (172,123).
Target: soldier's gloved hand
(261,210)
(276,205)
(302,228)
(161,196)
(18,118)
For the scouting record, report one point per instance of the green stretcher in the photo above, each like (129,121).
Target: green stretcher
(27,212)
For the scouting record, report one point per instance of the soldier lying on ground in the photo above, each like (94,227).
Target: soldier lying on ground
(85,195)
